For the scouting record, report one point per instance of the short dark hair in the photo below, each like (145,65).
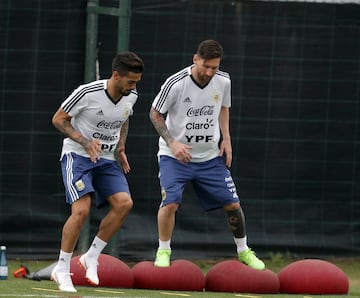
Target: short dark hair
(210,49)
(127,62)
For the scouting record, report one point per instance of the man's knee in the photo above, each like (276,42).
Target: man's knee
(232,206)
(121,202)
(81,208)
(169,208)
(127,203)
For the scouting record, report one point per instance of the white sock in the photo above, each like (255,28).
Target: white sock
(95,248)
(164,244)
(64,261)
(241,244)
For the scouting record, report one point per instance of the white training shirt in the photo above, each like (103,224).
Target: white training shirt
(193,112)
(96,116)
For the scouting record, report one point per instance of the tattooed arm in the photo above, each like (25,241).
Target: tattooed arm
(180,150)
(123,135)
(120,155)
(158,121)
(61,121)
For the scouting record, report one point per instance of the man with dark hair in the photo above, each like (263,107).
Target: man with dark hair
(196,101)
(95,122)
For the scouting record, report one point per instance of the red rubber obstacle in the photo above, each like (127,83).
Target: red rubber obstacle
(182,275)
(313,276)
(234,276)
(112,272)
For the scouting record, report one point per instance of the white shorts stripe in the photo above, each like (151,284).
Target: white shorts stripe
(72,191)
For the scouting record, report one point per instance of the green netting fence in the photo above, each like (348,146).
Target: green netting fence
(295,69)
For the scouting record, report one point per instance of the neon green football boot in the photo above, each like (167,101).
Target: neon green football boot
(249,258)
(162,258)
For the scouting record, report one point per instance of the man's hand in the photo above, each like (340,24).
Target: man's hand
(180,151)
(225,147)
(121,159)
(93,148)
(62,121)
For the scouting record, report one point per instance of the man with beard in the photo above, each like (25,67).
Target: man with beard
(95,122)
(196,102)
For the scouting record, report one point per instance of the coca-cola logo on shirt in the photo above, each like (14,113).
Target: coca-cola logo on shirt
(203,111)
(109,125)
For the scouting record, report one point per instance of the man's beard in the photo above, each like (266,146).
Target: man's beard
(205,79)
(126,92)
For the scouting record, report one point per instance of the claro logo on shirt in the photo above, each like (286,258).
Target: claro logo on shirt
(194,125)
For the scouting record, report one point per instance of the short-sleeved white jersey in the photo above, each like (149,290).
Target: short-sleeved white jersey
(193,112)
(96,116)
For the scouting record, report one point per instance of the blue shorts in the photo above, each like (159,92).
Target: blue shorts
(81,176)
(211,181)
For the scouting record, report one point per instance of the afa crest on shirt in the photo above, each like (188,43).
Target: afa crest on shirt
(128,110)
(80,185)
(163,194)
(216,96)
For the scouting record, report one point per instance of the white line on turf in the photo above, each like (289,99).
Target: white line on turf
(107,291)
(47,290)
(28,295)
(175,294)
